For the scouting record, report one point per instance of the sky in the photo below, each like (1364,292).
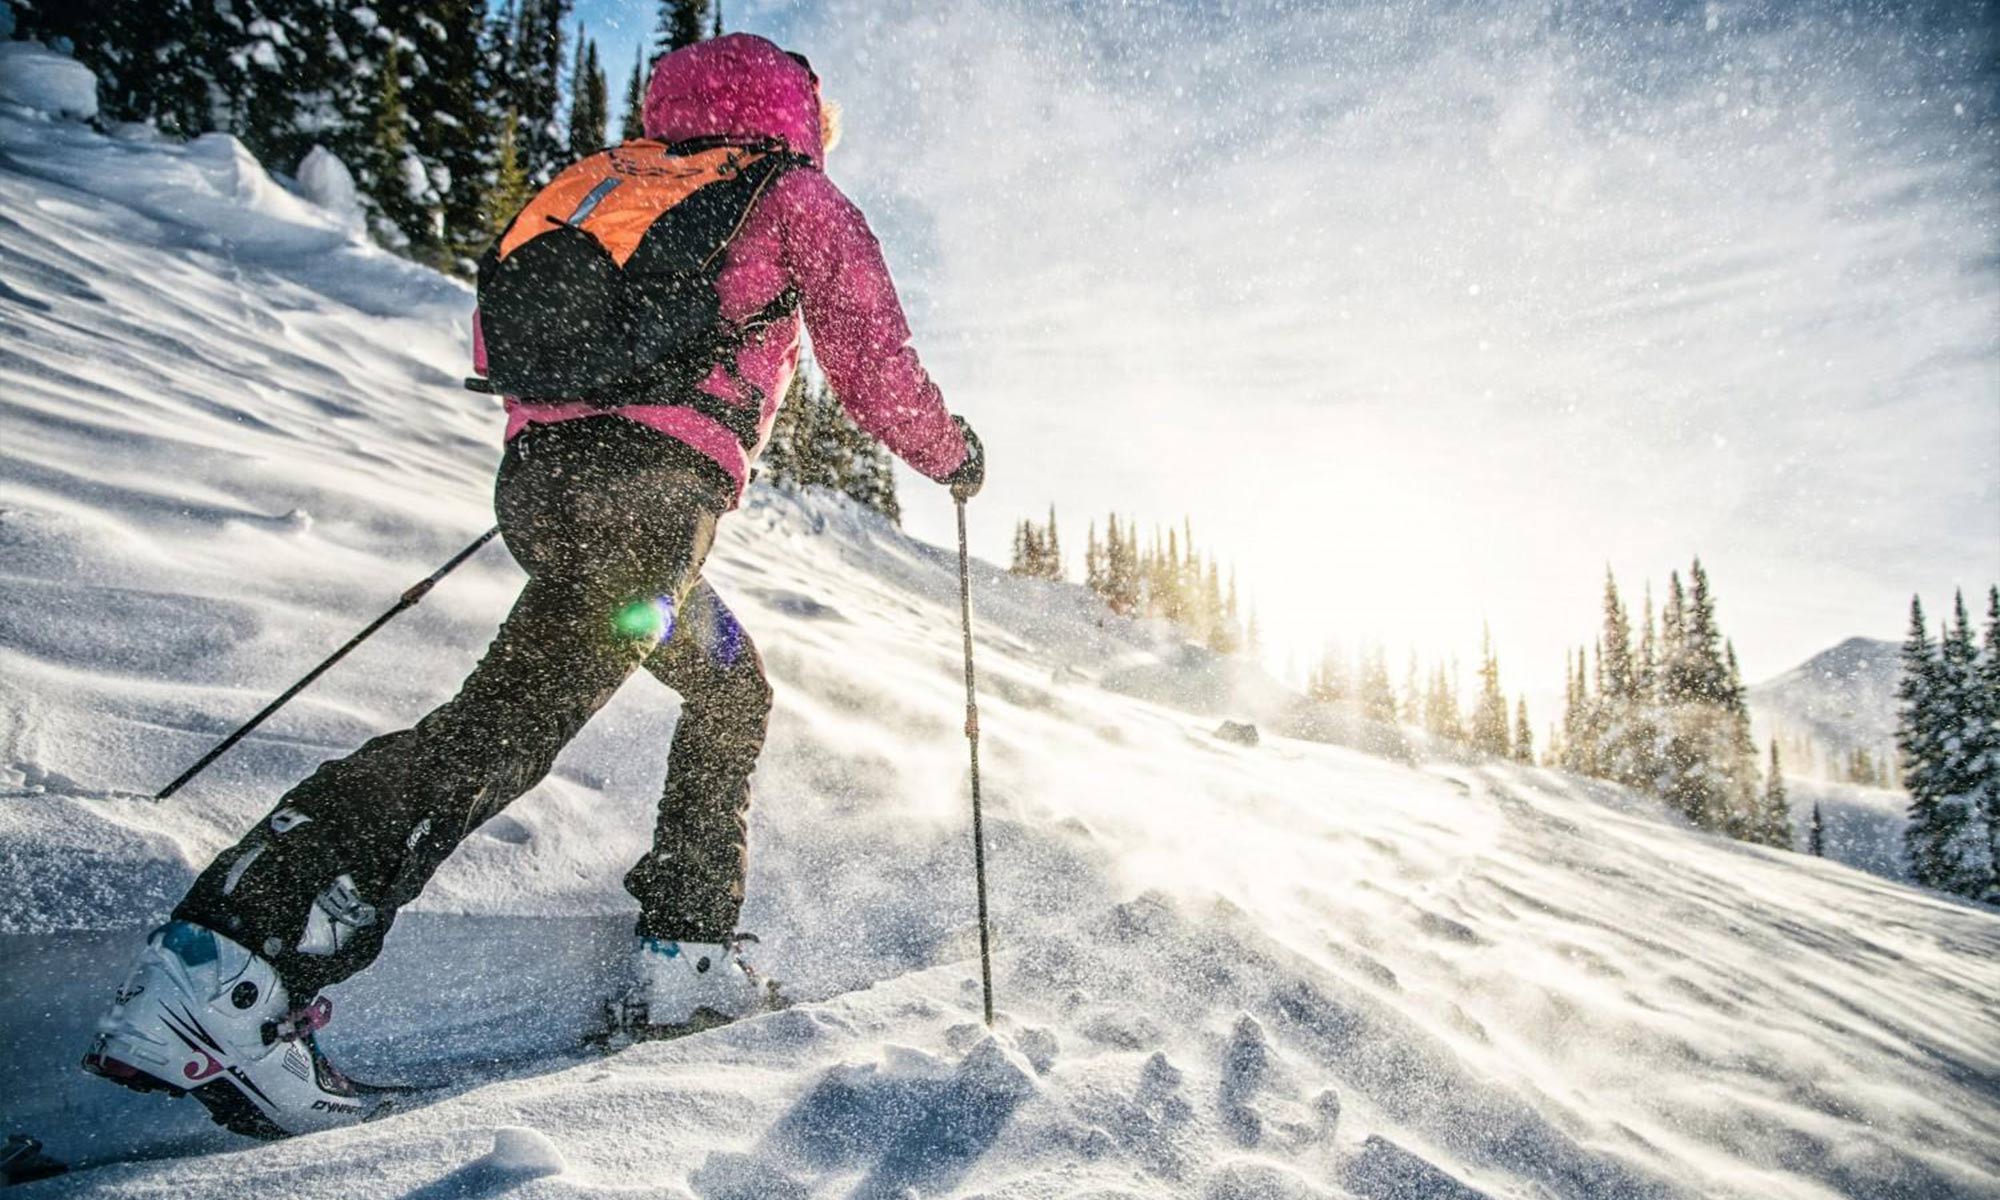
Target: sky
(1424,315)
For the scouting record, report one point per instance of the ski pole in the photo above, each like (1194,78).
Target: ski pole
(409,600)
(972,737)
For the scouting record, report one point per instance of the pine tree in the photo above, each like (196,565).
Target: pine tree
(1675,679)
(1489,711)
(1441,713)
(1093,562)
(1228,637)
(1774,814)
(509,191)
(779,462)
(1816,839)
(1619,676)
(448,76)
(1052,562)
(682,23)
(1524,734)
(1920,740)
(588,115)
(1950,837)
(1648,681)
(1328,682)
(1123,573)
(1413,697)
(1378,695)
(1986,706)
(537,87)
(1703,641)
(635,102)
(392,174)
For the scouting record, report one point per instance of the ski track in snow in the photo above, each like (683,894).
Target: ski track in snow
(232,436)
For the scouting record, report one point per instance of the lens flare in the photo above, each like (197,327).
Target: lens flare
(648,620)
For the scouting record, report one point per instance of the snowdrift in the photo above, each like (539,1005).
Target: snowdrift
(230,434)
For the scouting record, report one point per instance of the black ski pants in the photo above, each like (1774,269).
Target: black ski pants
(611,521)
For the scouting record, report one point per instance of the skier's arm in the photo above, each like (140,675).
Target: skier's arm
(859,334)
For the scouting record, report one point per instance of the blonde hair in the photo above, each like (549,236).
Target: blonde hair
(829,125)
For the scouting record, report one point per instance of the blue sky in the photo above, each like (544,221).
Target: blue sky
(1424,314)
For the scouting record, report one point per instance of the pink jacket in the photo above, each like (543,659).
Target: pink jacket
(802,233)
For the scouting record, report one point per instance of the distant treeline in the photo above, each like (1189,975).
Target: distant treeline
(1168,579)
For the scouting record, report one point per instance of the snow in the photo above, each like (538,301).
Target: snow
(230,434)
(326,181)
(46,82)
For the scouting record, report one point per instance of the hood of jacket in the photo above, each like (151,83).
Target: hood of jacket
(737,85)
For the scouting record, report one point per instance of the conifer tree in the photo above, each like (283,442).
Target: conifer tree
(1703,640)
(509,190)
(1921,731)
(1123,572)
(1524,734)
(1774,814)
(1675,678)
(1816,838)
(1093,562)
(1950,836)
(780,460)
(1647,683)
(1413,697)
(588,115)
(392,174)
(1328,682)
(1228,637)
(682,23)
(1052,562)
(1441,713)
(1618,673)
(537,87)
(1916,732)
(634,125)
(1378,695)
(1489,711)
(1986,707)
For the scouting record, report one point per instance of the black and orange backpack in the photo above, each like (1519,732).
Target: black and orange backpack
(602,289)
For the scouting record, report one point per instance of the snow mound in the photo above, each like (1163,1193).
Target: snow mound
(521,1153)
(39,79)
(326,181)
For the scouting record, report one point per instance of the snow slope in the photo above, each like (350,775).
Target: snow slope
(229,435)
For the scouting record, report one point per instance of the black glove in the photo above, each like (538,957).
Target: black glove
(970,476)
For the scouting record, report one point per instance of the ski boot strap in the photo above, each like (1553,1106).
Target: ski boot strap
(300,1022)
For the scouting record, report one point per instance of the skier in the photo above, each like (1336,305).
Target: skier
(610,503)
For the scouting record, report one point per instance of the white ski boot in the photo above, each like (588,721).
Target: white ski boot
(685,987)
(202,1016)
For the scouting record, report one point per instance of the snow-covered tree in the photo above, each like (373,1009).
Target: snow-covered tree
(1947,739)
